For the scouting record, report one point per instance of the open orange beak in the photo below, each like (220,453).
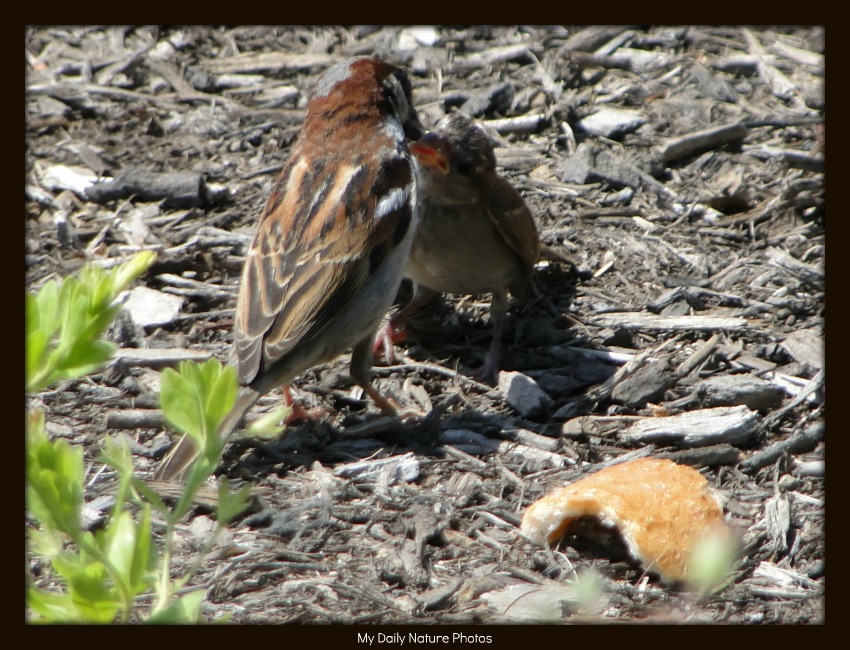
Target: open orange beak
(432,151)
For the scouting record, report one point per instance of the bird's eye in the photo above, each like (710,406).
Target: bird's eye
(465,169)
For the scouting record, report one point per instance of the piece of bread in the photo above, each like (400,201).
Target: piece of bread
(663,511)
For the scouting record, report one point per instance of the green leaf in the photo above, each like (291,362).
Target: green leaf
(54,480)
(46,307)
(197,398)
(64,324)
(712,561)
(268,426)
(84,359)
(222,389)
(52,607)
(150,495)
(46,543)
(101,286)
(143,566)
(42,321)
(180,404)
(200,470)
(132,269)
(37,355)
(118,542)
(231,504)
(127,545)
(72,312)
(117,454)
(96,601)
(186,609)
(66,320)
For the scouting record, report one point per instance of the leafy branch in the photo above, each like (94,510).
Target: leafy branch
(103,574)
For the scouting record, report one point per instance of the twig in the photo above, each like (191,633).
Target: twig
(261,61)
(433,367)
(778,83)
(810,388)
(491,56)
(135,419)
(640,321)
(699,141)
(799,443)
(529,123)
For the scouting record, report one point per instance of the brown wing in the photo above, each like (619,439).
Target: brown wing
(296,277)
(513,220)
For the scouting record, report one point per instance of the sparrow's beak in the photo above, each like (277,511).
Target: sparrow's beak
(432,151)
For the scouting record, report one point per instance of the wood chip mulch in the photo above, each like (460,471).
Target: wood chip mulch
(681,168)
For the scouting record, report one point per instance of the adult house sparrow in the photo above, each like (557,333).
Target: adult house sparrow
(475,233)
(331,244)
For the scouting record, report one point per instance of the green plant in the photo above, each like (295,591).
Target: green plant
(102,574)
(65,320)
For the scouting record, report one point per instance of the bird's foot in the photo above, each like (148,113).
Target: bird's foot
(386,338)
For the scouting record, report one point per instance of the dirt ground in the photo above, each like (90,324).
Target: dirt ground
(681,168)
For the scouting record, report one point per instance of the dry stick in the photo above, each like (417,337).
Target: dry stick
(754,216)
(699,141)
(729,299)
(210,237)
(791,157)
(635,320)
(488,541)
(590,60)
(799,443)
(433,367)
(798,55)
(528,123)
(531,439)
(178,189)
(437,596)
(784,260)
(735,425)
(135,419)
(720,454)
(588,401)
(157,358)
(168,71)
(477,443)
(262,61)
(701,354)
(395,468)
(198,288)
(462,455)
(604,391)
(609,212)
(122,62)
(551,87)
(778,83)
(162,101)
(491,56)
(203,315)
(811,387)
(599,426)
(615,43)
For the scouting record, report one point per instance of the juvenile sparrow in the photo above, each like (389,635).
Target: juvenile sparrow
(331,244)
(475,233)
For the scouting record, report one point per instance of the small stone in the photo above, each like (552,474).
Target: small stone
(612,122)
(523,394)
(62,177)
(806,346)
(149,307)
